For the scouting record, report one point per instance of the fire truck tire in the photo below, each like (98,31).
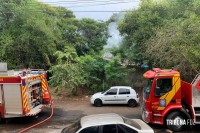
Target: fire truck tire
(132,103)
(178,117)
(98,102)
(2,120)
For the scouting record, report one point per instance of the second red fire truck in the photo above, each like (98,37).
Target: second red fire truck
(168,100)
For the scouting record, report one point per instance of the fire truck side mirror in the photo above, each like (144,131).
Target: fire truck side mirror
(157,91)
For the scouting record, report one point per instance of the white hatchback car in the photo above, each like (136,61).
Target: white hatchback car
(116,95)
(108,123)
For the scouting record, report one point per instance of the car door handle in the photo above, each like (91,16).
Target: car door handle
(114,96)
(127,96)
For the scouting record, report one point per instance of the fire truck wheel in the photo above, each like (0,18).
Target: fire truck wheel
(176,125)
(132,103)
(2,120)
(98,103)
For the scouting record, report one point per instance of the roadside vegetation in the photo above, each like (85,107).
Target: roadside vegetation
(165,34)
(159,33)
(37,35)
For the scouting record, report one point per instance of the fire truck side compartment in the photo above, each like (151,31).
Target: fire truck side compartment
(1,95)
(1,101)
(13,100)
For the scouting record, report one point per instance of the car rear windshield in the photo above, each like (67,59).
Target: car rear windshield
(72,128)
(131,123)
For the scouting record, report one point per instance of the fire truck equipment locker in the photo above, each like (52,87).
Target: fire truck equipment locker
(13,100)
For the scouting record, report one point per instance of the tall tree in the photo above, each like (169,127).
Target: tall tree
(67,73)
(164,34)
(94,35)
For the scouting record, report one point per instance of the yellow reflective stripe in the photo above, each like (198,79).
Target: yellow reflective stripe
(25,102)
(43,84)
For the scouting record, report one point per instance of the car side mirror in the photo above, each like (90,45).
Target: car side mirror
(157,91)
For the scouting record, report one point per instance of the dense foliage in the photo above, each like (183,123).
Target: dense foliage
(160,33)
(37,35)
(163,33)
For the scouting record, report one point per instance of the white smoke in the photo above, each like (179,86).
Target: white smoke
(115,38)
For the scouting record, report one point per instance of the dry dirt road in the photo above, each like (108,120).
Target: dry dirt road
(68,110)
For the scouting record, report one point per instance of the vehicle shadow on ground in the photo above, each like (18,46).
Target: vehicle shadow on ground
(60,117)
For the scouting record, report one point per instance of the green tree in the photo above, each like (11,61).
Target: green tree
(163,33)
(94,36)
(94,71)
(176,46)
(31,37)
(68,72)
(116,72)
(138,26)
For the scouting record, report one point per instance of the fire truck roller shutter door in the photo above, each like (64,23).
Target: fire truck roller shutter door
(1,94)
(13,100)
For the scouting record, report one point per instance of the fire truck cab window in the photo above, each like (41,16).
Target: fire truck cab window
(164,85)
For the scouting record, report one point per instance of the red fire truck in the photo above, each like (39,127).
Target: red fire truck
(167,100)
(22,92)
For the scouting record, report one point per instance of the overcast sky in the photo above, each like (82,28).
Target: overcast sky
(94,5)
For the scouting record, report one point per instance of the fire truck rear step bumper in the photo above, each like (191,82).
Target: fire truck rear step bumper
(35,110)
(157,122)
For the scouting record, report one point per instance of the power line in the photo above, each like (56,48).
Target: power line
(110,3)
(43,11)
(105,2)
(85,1)
(101,11)
(89,4)
(74,1)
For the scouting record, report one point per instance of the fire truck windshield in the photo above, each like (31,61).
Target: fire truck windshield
(147,88)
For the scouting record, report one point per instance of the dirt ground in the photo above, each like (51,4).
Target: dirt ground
(69,109)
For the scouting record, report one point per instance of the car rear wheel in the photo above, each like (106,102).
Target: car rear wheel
(98,103)
(132,103)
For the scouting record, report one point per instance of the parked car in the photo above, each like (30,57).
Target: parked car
(116,95)
(108,123)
